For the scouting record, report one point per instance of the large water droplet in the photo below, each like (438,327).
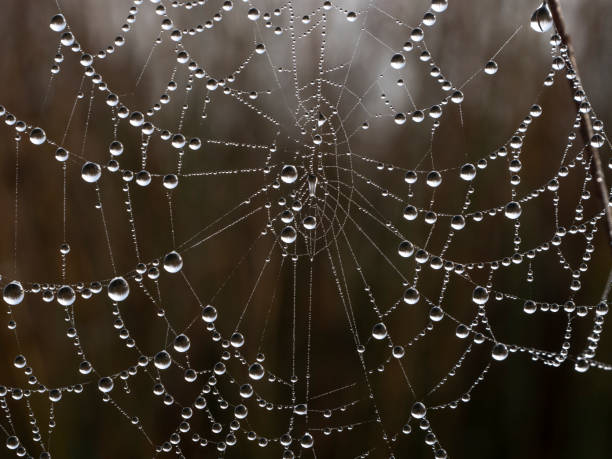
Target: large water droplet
(499,352)
(289,174)
(162,360)
(66,295)
(256,371)
(480,295)
(541,19)
(418,410)
(105,384)
(173,262)
(288,235)
(209,314)
(58,23)
(91,172)
(182,343)
(38,136)
(13,293)
(398,61)
(379,331)
(513,210)
(118,289)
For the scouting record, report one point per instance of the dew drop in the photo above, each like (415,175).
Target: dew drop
(38,136)
(162,360)
(13,293)
(105,384)
(411,296)
(398,61)
(182,343)
(439,5)
(434,179)
(491,68)
(118,289)
(115,148)
(65,295)
(405,249)
(173,262)
(379,331)
(541,19)
(480,295)
(513,210)
(91,172)
(58,23)
(288,235)
(289,174)
(209,314)
(256,371)
(418,410)
(499,352)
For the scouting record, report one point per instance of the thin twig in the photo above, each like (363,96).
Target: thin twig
(586,127)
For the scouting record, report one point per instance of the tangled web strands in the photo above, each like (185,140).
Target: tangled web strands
(312,236)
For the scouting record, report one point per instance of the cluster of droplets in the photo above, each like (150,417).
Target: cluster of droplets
(300,187)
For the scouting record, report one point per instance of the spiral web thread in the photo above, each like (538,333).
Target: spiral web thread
(320,203)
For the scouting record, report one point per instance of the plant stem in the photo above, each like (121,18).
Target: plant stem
(586,126)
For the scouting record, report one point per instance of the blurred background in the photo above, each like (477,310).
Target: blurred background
(291,311)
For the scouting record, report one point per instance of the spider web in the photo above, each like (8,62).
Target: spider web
(314,237)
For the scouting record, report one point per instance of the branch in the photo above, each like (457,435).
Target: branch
(586,127)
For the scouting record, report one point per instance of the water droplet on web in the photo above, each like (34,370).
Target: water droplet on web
(499,352)
(309,222)
(105,384)
(143,178)
(118,289)
(170,181)
(597,141)
(13,293)
(581,365)
(541,19)
(411,296)
(289,174)
(439,5)
(405,249)
(398,61)
(417,34)
(307,441)
(411,213)
(209,314)
(12,442)
(137,119)
(256,371)
(288,235)
(237,340)
(162,360)
(38,136)
(513,210)
(418,410)
(181,343)
(379,331)
(91,172)
(173,262)
(65,295)
(312,185)
(480,295)
(253,14)
(491,68)
(436,314)
(58,23)
(178,141)
(115,148)
(434,179)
